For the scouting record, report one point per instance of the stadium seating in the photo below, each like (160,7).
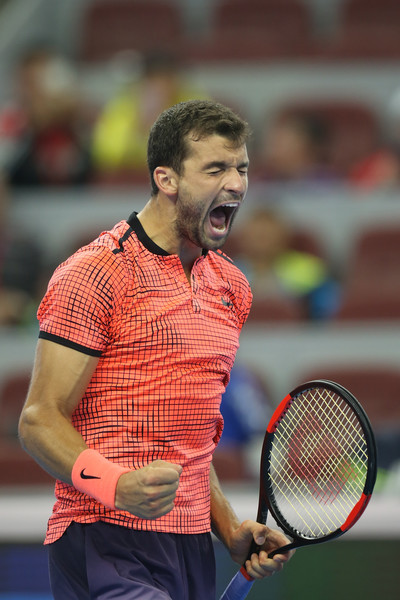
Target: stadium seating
(372,286)
(368,29)
(374,17)
(112,26)
(353,127)
(16,466)
(276,310)
(376,387)
(255,30)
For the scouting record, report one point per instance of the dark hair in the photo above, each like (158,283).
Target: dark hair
(167,145)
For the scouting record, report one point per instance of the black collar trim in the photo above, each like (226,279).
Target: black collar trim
(147,242)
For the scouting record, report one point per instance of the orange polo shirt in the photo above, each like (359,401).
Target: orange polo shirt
(165,348)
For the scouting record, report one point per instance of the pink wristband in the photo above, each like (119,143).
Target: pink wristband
(96,476)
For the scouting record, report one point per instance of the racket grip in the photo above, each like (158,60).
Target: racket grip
(239,586)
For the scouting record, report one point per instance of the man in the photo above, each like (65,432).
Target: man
(138,334)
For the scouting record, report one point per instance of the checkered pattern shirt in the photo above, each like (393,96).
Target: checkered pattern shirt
(165,348)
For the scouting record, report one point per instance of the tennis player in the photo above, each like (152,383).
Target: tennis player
(138,334)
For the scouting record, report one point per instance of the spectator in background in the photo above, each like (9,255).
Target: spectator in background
(44,130)
(380,169)
(275,268)
(295,149)
(121,132)
(246,409)
(20,273)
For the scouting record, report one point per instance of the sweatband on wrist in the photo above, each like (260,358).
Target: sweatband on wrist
(96,476)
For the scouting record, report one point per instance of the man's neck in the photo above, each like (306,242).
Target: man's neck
(158,219)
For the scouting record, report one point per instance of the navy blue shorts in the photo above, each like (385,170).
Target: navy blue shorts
(102,561)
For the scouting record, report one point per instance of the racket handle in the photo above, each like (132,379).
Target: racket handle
(239,586)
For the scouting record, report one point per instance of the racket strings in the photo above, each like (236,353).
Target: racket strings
(318,462)
(347,431)
(327,453)
(320,457)
(338,417)
(326,449)
(324,488)
(310,479)
(294,495)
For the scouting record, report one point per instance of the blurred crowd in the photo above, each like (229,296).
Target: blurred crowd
(53,136)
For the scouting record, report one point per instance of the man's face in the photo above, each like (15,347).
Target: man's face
(211,188)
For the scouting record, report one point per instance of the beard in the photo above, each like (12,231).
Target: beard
(193,223)
(188,219)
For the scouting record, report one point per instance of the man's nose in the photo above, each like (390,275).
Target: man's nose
(236,182)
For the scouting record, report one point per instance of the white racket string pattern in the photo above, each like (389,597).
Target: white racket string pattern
(318,469)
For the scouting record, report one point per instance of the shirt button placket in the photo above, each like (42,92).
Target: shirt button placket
(195,302)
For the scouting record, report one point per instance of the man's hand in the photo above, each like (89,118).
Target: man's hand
(259,565)
(149,492)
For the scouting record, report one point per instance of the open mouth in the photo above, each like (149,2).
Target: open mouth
(221,216)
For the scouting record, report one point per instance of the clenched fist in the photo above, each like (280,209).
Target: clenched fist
(149,492)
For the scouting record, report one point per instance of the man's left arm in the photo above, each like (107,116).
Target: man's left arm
(237,537)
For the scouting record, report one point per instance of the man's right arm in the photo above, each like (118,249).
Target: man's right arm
(59,380)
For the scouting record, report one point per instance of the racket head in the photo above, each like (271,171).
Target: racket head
(318,464)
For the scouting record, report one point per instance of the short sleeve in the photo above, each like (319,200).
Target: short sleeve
(80,299)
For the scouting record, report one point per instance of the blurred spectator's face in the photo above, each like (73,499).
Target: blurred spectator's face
(47,90)
(30,75)
(158,92)
(31,86)
(264,238)
(288,152)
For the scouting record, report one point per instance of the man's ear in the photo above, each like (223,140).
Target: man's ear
(166,180)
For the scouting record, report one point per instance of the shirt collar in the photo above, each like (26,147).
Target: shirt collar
(147,242)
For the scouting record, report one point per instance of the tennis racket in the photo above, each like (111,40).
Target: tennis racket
(318,469)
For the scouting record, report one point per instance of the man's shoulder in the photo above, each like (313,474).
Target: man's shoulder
(226,265)
(220,254)
(102,254)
